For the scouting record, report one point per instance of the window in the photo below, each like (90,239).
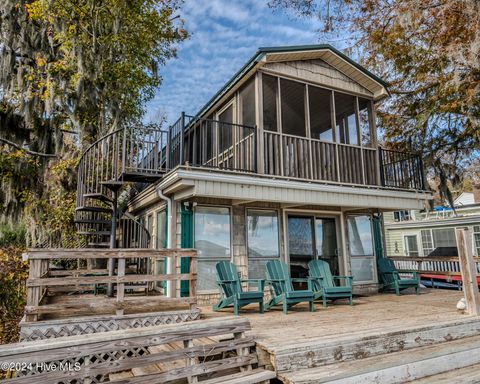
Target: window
(345,118)
(161,229)
(476,240)
(319,101)
(269,85)
(401,215)
(293,107)
(444,237)
(161,242)
(247,103)
(427,241)
(360,241)
(365,119)
(212,241)
(262,241)
(411,245)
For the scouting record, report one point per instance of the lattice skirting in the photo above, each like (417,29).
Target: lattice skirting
(48,329)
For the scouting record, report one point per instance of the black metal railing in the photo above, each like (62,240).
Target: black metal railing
(401,169)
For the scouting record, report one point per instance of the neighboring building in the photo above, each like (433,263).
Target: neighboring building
(283,162)
(419,234)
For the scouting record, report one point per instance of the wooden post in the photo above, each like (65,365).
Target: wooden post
(468,269)
(120,286)
(192,284)
(34,293)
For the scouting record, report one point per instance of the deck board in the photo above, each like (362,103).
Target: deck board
(275,331)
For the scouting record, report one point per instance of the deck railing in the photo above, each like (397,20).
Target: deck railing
(312,159)
(447,266)
(43,281)
(213,144)
(401,169)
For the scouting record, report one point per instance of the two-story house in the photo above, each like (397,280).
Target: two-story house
(283,162)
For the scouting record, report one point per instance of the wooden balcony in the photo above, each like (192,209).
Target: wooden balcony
(227,146)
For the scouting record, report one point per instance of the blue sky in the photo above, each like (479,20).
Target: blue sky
(224,35)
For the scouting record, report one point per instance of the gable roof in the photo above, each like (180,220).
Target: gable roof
(326,52)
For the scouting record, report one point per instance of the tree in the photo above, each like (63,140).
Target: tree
(70,71)
(429,53)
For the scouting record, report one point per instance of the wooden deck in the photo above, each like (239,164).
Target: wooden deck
(274,330)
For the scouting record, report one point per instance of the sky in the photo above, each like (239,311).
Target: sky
(224,35)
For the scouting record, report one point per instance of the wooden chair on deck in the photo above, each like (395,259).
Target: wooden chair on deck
(281,287)
(323,283)
(231,292)
(391,279)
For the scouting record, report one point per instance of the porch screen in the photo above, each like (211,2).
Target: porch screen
(212,241)
(270,89)
(319,101)
(345,118)
(262,241)
(293,107)
(360,242)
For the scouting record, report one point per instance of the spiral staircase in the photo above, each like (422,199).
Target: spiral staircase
(138,154)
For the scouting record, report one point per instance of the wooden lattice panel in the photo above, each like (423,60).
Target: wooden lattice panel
(81,326)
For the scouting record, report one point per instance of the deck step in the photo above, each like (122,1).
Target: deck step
(393,368)
(467,375)
(360,345)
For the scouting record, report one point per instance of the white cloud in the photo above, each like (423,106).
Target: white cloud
(224,35)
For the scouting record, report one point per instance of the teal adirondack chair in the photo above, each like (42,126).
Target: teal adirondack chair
(231,292)
(281,287)
(391,280)
(323,283)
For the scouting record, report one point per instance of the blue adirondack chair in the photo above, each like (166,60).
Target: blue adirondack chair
(391,280)
(231,292)
(323,283)
(281,287)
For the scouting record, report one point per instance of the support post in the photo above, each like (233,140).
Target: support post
(468,269)
(113,241)
(182,138)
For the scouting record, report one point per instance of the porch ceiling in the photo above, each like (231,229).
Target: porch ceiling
(184,184)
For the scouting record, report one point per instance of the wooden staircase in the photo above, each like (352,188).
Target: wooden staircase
(397,356)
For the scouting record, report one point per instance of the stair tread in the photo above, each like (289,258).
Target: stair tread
(98,196)
(94,209)
(466,375)
(90,221)
(102,233)
(377,363)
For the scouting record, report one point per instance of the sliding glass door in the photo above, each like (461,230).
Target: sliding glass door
(311,238)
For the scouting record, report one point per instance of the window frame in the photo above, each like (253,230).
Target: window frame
(476,240)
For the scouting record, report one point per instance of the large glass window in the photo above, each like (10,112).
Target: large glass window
(293,107)
(360,240)
(262,241)
(319,101)
(345,119)
(212,241)
(269,85)
(365,119)
(247,103)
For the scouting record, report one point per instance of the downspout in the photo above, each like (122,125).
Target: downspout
(170,230)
